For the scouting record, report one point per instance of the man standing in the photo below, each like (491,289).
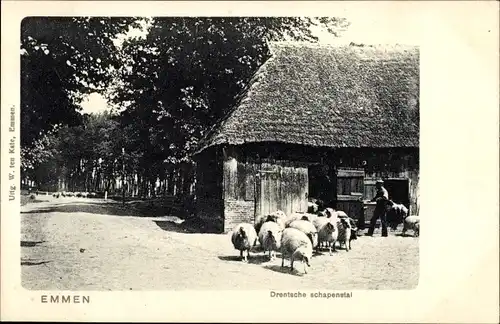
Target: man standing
(382,197)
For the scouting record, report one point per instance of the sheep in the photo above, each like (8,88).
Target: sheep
(278,217)
(346,233)
(299,216)
(396,214)
(327,232)
(293,217)
(330,213)
(244,238)
(354,230)
(270,238)
(325,212)
(297,246)
(416,227)
(261,219)
(307,228)
(411,223)
(309,217)
(341,214)
(312,207)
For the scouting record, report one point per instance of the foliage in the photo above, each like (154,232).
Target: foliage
(63,58)
(80,155)
(187,74)
(172,87)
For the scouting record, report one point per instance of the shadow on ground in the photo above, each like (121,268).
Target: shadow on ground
(33,263)
(322,251)
(143,209)
(189,226)
(253,259)
(173,227)
(404,235)
(31,243)
(286,269)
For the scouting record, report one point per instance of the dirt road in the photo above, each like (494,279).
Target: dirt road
(85,244)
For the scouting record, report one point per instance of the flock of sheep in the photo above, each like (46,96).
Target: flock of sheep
(75,194)
(296,235)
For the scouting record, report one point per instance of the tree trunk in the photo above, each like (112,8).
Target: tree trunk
(170,183)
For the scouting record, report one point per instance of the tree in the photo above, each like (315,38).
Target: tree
(81,157)
(173,86)
(63,58)
(188,72)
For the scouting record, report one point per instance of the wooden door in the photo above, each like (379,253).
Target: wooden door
(350,191)
(281,186)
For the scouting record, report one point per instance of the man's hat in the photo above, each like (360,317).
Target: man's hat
(380,181)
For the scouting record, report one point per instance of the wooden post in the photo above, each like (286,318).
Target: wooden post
(256,179)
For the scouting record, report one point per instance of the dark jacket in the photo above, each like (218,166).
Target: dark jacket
(382,197)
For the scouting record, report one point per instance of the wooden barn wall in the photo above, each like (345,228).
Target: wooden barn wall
(386,163)
(284,185)
(208,188)
(281,184)
(226,185)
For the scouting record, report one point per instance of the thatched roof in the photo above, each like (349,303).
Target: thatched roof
(329,95)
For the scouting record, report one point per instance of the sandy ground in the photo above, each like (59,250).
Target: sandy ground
(88,244)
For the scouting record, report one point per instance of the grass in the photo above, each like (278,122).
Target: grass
(91,246)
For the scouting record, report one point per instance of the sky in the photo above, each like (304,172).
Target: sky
(383,28)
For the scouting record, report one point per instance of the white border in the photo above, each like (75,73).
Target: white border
(459,175)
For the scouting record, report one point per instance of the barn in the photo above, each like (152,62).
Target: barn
(322,121)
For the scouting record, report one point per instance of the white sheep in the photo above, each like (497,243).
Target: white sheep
(412,223)
(396,214)
(331,213)
(293,217)
(341,214)
(346,233)
(327,232)
(307,228)
(354,229)
(297,246)
(299,216)
(270,238)
(325,212)
(278,217)
(312,207)
(244,238)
